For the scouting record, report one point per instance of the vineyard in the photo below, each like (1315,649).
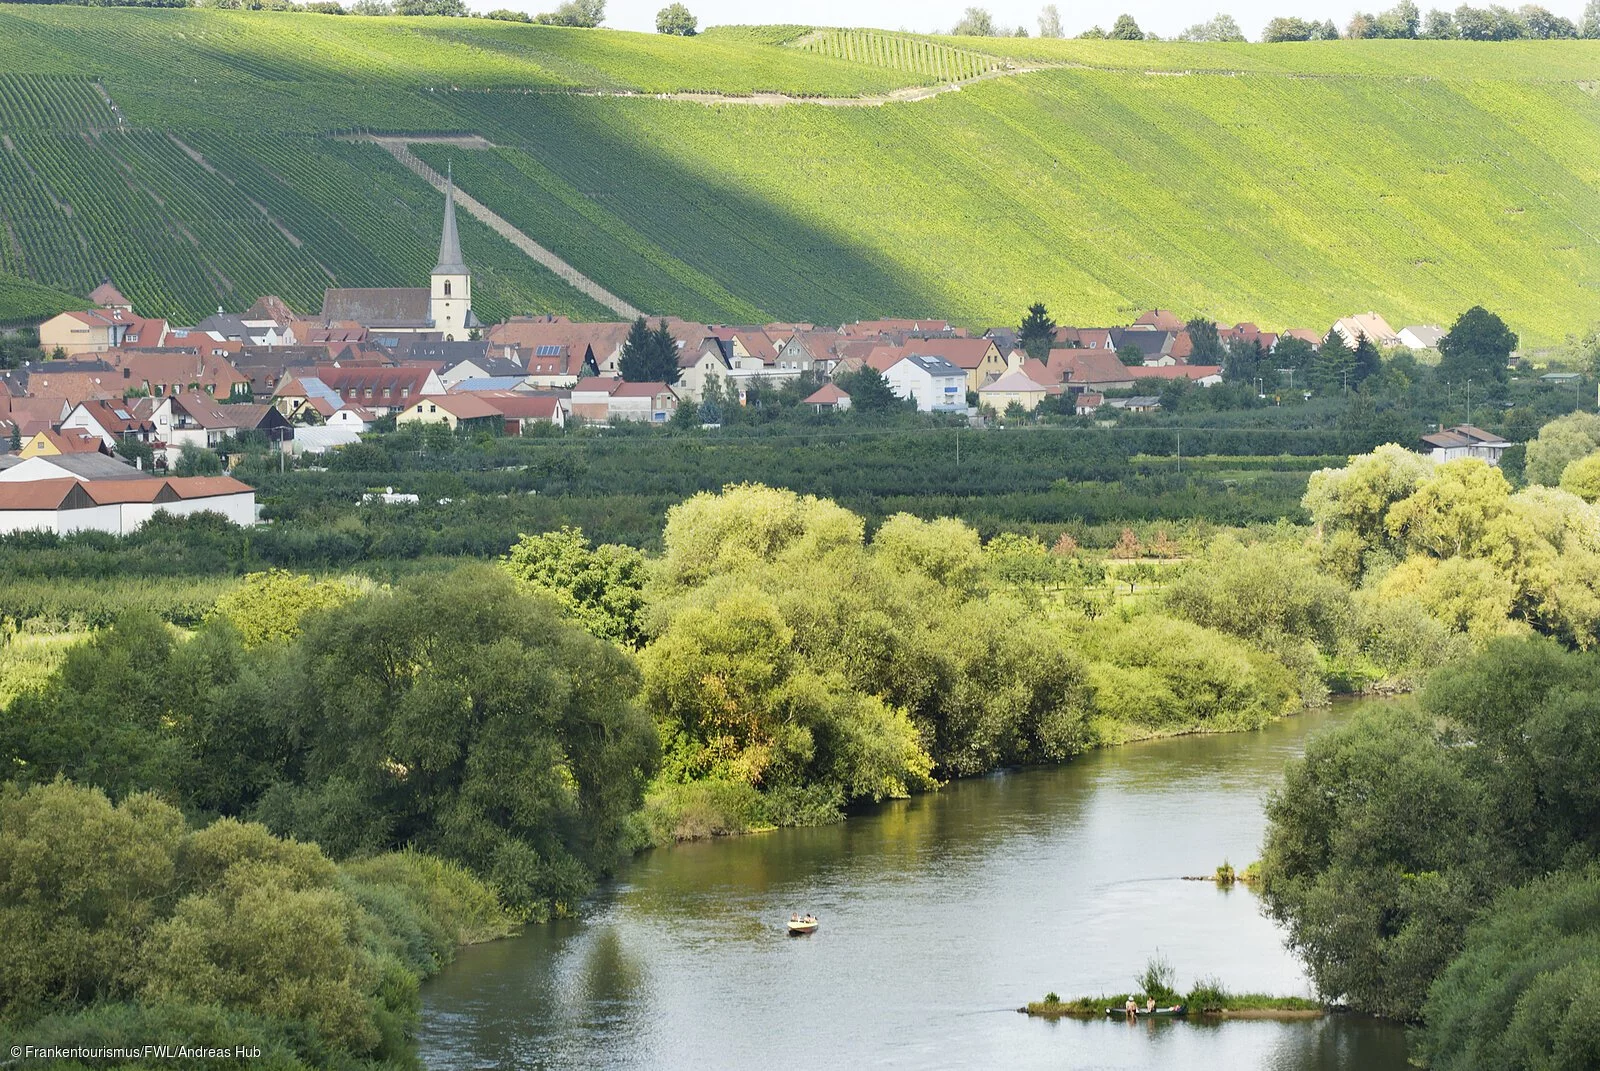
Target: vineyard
(899,52)
(23,302)
(202,158)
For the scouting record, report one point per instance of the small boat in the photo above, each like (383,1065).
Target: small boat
(802,924)
(1177,1010)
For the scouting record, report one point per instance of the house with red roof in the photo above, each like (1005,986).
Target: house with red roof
(827,397)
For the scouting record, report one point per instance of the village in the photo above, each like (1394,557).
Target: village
(97,432)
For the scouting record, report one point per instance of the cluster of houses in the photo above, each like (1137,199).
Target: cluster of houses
(309,384)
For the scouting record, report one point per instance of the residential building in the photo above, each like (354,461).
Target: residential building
(1465,440)
(1369,325)
(1013,388)
(648,402)
(454,410)
(826,397)
(56,443)
(382,389)
(1421,336)
(934,383)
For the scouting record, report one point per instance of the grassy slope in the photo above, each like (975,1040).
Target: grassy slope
(1412,177)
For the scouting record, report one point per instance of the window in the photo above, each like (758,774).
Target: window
(447,288)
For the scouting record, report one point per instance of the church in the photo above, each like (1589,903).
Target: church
(444,308)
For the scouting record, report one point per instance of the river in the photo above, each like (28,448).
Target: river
(940,916)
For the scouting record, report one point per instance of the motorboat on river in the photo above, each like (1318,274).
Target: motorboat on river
(802,924)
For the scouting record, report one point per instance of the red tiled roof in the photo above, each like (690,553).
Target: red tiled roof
(827,394)
(39,494)
(639,390)
(207,486)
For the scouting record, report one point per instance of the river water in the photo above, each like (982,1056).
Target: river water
(940,916)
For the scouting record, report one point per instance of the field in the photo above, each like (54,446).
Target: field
(214,158)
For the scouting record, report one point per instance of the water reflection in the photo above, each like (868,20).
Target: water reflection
(940,915)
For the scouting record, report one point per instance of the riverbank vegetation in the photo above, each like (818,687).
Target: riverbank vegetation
(1393,841)
(1158,982)
(781,659)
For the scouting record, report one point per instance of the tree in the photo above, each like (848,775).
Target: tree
(1543,25)
(1376,858)
(1582,478)
(1365,362)
(1325,31)
(1560,443)
(1220,27)
(1589,27)
(1474,24)
(676,19)
(649,356)
(869,391)
(1478,346)
(1038,332)
(466,717)
(197,461)
(1205,343)
(1050,21)
(1450,512)
(975,22)
(1439,25)
(1332,363)
(1522,992)
(585,13)
(1125,29)
(1093,33)
(1287,28)
(505,14)
(454,8)
(1130,355)
(601,587)
(268,607)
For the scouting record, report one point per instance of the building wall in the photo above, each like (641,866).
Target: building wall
(27,520)
(426,412)
(73,335)
(450,301)
(1000,400)
(239,508)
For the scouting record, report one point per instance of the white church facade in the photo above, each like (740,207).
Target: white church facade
(443,308)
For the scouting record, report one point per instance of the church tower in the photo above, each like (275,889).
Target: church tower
(450,299)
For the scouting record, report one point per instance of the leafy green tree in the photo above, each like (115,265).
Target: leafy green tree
(676,19)
(583,13)
(462,716)
(268,607)
(1378,853)
(946,551)
(80,882)
(1477,347)
(454,8)
(601,587)
(1125,29)
(748,524)
(1589,27)
(1038,332)
(1582,478)
(1132,356)
(869,391)
(1450,512)
(1439,25)
(197,461)
(1560,443)
(1220,27)
(975,22)
(1286,28)
(1522,993)
(1050,22)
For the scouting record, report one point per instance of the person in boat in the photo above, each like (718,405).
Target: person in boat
(1131,1008)
(1150,1006)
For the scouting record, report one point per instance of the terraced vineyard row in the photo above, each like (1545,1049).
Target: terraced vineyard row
(371,222)
(52,102)
(1104,192)
(899,52)
(596,242)
(691,208)
(23,301)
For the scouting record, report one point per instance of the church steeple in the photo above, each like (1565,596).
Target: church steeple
(450,262)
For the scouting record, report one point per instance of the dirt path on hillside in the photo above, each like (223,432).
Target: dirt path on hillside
(906,95)
(398,148)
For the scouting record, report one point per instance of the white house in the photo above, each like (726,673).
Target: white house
(1464,440)
(937,385)
(1421,336)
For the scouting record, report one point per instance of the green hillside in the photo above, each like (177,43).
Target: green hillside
(23,301)
(204,157)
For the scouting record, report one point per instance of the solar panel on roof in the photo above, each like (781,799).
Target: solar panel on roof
(547,351)
(122,414)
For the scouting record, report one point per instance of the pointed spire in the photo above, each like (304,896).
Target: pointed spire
(450,262)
